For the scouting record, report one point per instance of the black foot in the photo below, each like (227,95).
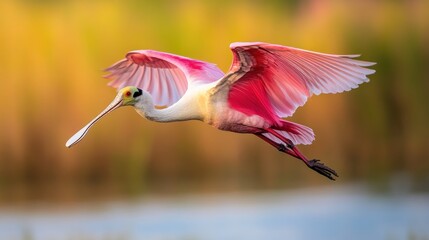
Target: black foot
(319,167)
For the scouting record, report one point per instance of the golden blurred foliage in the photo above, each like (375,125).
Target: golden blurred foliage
(52,57)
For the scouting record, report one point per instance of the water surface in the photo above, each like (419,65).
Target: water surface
(348,212)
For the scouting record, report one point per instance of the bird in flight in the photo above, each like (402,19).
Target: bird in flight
(265,84)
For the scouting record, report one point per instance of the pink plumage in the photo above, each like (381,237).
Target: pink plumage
(165,76)
(265,83)
(290,75)
(275,80)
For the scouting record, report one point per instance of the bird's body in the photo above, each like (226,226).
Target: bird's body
(265,84)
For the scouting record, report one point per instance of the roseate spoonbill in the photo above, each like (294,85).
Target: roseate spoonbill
(264,84)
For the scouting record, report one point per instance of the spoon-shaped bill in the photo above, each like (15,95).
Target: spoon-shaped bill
(116,103)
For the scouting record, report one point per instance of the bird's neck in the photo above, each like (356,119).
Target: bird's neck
(158,115)
(173,113)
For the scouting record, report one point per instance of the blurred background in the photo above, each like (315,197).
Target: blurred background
(52,58)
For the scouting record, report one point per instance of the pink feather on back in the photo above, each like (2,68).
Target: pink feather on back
(251,98)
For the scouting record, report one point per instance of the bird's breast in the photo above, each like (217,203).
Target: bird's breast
(218,113)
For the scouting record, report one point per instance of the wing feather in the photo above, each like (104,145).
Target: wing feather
(165,76)
(289,76)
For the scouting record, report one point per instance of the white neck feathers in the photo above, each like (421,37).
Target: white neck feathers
(185,109)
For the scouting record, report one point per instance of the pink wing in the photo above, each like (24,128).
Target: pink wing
(272,80)
(165,76)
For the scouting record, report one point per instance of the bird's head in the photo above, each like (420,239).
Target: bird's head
(127,96)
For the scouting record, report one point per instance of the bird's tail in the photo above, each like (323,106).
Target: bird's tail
(297,133)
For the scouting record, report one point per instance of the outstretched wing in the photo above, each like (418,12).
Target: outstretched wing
(165,76)
(273,80)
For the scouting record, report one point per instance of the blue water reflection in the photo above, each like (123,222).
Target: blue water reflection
(327,213)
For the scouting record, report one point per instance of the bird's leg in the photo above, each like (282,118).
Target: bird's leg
(279,146)
(290,149)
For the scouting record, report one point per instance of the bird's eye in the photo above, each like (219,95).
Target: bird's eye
(128,93)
